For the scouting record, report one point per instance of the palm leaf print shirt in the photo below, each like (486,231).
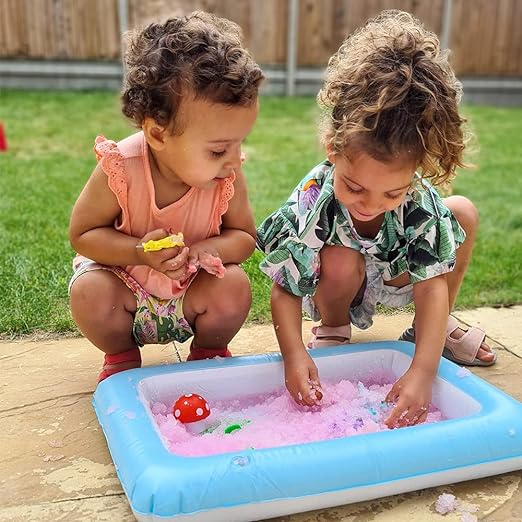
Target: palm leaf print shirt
(419,237)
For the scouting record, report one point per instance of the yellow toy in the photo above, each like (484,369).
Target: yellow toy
(153,245)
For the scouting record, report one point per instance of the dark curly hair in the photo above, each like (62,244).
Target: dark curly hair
(199,55)
(390,90)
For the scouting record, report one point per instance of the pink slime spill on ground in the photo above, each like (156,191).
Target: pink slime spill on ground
(275,420)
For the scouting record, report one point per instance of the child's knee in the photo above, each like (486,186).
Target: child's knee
(236,287)
(83,294)
(340,263)
(98,294)
(229,295)
(465,212)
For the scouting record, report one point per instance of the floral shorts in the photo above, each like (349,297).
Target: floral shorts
(375,291)
(156,320)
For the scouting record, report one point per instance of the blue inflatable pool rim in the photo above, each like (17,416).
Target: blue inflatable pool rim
(483,437)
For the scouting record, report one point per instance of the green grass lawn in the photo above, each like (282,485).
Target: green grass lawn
(50,157)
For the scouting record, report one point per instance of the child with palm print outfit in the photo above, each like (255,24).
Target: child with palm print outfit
(366,226)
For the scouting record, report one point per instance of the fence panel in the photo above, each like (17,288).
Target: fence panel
(59,29)
(485,36)
(263,23)
(324,24)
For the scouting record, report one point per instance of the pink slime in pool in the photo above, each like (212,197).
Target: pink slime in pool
(269,420)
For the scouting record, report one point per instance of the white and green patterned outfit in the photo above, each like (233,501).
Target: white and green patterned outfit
(420,237)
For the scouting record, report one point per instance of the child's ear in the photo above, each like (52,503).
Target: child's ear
(330,153)
(154,134)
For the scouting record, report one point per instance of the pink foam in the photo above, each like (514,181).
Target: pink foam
(276,420)
(446,503)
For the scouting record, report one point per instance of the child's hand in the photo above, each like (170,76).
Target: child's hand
(170,261)
(203,256)
(412,396)
(302,379)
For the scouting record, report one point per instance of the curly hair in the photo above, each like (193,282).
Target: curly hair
(390,90)
(199,55)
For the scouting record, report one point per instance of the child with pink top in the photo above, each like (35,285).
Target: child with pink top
(193,90)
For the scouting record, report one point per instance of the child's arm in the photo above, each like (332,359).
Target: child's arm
(236,242)
(412,392)
(92,232)
(301,375)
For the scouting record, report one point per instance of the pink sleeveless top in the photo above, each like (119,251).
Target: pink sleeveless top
(197,214)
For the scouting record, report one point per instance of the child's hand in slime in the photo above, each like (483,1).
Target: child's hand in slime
(412,396)
(302,379)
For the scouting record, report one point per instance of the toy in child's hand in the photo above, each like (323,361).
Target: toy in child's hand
(153,245)
(192,410)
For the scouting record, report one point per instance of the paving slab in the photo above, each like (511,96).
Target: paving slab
(55,464)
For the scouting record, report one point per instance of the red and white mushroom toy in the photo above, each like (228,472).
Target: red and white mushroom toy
(190,409)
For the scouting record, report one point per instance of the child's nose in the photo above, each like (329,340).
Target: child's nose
(234,160)
(371,204)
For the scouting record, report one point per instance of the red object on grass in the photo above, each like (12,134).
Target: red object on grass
(3,139)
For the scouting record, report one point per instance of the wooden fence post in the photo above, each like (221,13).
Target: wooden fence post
(291,46)
(123,22)
(445,30)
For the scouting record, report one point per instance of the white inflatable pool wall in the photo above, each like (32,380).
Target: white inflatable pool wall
(482,437)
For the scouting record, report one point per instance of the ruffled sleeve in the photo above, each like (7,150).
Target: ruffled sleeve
(293,236)
(436,237)
(113,164)
(226,193)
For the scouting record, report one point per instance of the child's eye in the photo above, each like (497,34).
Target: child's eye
(352,190)
(391,196)
(218,154)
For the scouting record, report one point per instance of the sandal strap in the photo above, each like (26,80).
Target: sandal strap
(132,355)
(322,331)
(128,356)
(452,325)
(196,353)
(467,347)
(322,336)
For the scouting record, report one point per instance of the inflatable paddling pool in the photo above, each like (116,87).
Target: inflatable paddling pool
(480,436)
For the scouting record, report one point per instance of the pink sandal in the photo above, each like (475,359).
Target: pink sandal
(464,350)
(323,336)
(132,356)
(461,351)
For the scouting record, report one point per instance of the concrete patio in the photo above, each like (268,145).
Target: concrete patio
(56,466)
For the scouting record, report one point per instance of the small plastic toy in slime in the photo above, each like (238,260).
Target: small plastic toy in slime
(192,410)
(226,426)
(236,426)
(153,245)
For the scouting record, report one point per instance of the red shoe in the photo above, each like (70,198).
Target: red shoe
(196,354)
(132,357)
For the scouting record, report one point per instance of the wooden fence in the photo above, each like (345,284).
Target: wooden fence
(484,35)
